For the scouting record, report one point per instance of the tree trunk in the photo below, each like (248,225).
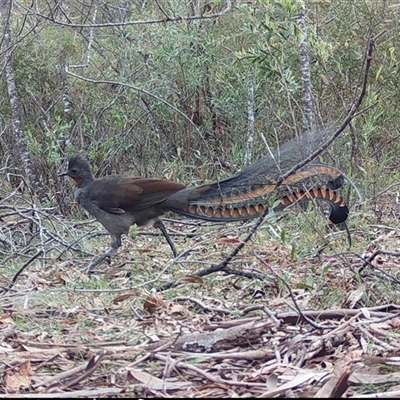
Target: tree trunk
(307,95)
(250,118)
(15,105)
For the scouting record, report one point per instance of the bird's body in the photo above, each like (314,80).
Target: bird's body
(118,201)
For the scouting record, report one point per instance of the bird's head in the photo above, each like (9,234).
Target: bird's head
(78,169)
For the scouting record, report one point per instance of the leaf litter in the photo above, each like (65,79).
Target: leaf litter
(67,334)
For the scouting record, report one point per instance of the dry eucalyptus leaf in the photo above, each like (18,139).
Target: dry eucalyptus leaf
(189,279)
(18,377)
(153,302)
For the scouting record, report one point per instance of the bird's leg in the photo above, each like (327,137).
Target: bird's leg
(100,259)
(115,243)
(115,240)
(159,224)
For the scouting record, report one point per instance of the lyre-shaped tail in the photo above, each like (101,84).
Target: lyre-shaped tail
(239,208)
(249,192)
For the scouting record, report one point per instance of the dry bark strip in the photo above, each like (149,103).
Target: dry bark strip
(242,335)
(91,393)
(338,383)
(218,340)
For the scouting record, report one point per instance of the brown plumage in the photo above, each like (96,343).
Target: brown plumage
(118,202)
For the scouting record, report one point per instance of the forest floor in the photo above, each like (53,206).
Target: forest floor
(296,313)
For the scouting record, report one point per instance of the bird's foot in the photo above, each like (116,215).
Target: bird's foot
(99,260)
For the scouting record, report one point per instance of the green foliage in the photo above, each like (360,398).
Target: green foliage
(190,102)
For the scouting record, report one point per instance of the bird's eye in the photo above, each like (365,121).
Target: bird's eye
(74,170)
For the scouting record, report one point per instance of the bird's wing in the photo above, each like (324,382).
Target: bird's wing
(118,194)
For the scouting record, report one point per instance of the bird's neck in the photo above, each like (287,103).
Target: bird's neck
(84,181)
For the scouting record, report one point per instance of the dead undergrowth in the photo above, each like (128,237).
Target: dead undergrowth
(297,314)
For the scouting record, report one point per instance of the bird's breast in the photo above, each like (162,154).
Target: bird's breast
(80,195)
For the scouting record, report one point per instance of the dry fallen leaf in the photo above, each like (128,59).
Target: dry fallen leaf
(18,377)
(62,278)
(395,323)
(177,309)
(152,382)
(189,279)
(153,302)
(124,296)
(355,295)
(227,240)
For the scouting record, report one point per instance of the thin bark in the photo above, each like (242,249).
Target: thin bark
(15,105)
(307,96)
(250,116)
(91,35)
(65,137)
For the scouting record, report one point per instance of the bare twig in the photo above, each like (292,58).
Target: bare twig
(33,258)
(167,18)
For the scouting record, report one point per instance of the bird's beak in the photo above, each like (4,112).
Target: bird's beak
(63,173)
